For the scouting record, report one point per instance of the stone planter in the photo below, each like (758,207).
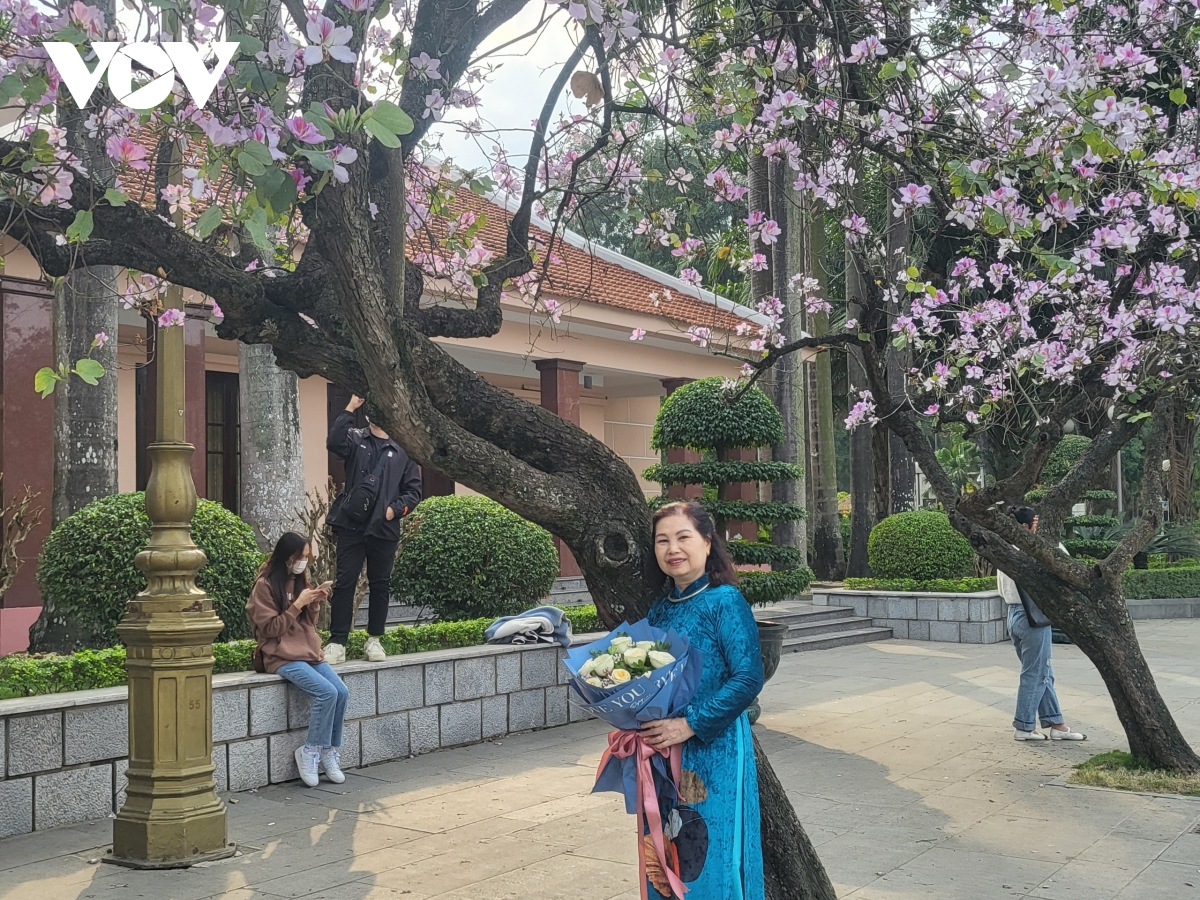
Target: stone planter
(770,645)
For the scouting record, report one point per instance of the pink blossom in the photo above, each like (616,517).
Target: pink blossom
(911,195)
(305,131)
(863,411)
(637,334)
(127,153)
(933,409)
(171,318)
(302,180)
(356,5)
(327,39)
(216,310)
(425,67)
(100,340)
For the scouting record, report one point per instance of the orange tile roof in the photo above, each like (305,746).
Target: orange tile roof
(575,274)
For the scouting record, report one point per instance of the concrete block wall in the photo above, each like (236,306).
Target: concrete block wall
(952,618)
(63,756)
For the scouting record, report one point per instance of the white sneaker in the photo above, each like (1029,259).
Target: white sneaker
(331,762)
(374,650)
(309,762)
(1020,735)
(335,653)
(1068,735)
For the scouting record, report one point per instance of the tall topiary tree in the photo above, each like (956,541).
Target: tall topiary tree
(719,421)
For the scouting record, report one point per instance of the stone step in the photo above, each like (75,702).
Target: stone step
(837,639)
(802,613)
(829,626)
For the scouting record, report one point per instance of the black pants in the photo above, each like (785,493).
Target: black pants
(352,548)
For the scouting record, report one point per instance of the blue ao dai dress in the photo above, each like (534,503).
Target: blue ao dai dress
(720,779)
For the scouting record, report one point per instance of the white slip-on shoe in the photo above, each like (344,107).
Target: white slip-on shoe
(1019,735)
(1068,735)
(308,761)
(335,653)
(374,650)
(331,762)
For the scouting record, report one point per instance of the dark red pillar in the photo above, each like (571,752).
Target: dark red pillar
(435,484)
(746,491)
(682,454)
(560,395)
(26,438)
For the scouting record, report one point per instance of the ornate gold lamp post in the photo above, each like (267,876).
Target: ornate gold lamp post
(172,817)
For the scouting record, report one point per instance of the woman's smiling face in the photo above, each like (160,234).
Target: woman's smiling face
(681,551)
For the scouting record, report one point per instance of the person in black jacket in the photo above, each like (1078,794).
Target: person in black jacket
(382,486)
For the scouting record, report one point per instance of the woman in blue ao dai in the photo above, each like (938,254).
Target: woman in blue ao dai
(719,850)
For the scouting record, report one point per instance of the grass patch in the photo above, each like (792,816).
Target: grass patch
(1121,771)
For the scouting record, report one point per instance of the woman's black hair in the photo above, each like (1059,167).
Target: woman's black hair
(719,565)
(279,576)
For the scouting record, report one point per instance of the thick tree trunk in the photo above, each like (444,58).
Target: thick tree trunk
(881,454)
(271,479)
(1101,627)
(899,242)
(829,559)
(1181,483)
(788,375)
(862,459)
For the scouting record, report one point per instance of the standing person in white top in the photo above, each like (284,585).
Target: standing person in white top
(1036,697)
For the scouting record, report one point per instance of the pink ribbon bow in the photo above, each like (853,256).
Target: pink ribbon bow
(622,745)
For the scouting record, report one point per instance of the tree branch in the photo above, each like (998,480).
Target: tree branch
(1152,489)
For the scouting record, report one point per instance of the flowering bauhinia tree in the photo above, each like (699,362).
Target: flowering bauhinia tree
(1034,258)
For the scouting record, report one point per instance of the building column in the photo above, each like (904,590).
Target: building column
(560,395)
(746,491)
(196,413)
(197,392)
(682,454)
(435,484)
(26,439)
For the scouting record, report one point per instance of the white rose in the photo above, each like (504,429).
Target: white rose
(635,657)
(659,658)
(602,665)
(620,676)
(594,681)
(620,645)
(645,645)
(587,668)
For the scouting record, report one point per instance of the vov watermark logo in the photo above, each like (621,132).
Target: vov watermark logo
(165,60)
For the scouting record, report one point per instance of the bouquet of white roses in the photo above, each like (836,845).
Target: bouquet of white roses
(623,660)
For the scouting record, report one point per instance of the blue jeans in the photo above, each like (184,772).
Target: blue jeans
(1035,696)
(329,694)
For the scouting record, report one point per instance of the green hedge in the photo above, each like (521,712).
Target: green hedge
(86,568)
(1093,521)
(764,553)
(28,676)
(919,544)
(761,511)
(1161,584)
(1160,561)
(1063,457)
(760,588)
(722,472)
(1094,548)
(937,585)
(469,557)
(702,415)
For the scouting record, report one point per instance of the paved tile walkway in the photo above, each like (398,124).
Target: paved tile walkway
(897,755)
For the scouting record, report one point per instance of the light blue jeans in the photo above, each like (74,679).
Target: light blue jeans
(1035,695)
(329,694)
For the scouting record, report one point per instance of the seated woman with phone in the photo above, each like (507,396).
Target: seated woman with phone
(283,609)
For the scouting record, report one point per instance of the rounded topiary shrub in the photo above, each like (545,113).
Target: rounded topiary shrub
(1063,457)
(703,415)
(87,574)
(921,545)
(470,557)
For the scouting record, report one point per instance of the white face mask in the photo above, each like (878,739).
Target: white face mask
(299,566)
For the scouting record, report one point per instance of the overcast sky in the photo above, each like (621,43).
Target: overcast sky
(517,88)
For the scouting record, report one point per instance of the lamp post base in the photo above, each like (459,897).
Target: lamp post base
(149,864)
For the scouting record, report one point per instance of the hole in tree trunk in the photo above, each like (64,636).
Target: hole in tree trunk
(615,548)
